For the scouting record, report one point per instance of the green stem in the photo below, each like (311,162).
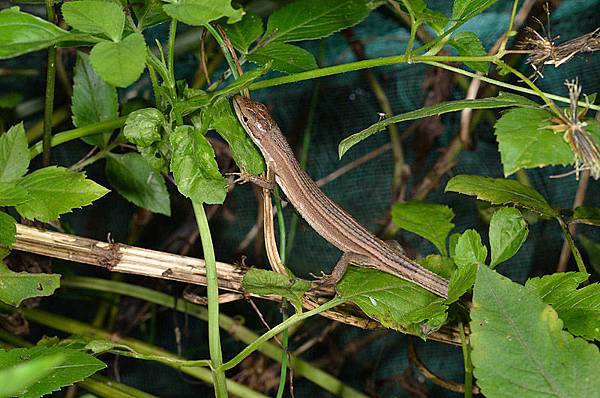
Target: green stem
(212,292)
(50,82)
(572,246)
(466,351)
(237,331)
(224,49)
(171,50)
(69,135)
(278,329)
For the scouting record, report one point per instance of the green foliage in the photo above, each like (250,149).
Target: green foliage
(430,220)
(17,378)
(519,347)
(18,286)
(12,194)
(501,101)
(508,231)
(284,57)
(133,178)
(245,32)
(265,282)
(21,33)
(194,167)
(63,367)
(95,16)
(421,14)
(469,254)
(120,63)
(468,44)
(500,191)
(593,251)
(14,154)
(148,13)
(579,309)
(441,265)
(201,12)
(467,9)
(54,191)
(394,302)
(8,229)
(93,99)
(143,127)
(587,215)
(524,141)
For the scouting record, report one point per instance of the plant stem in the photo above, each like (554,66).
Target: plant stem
(574,249)
(278,329)
(466,351)
(212,292)
(69,135)
(171,50)
(49,99)
(224,49)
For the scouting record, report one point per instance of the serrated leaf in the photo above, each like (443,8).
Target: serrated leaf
(284,57)
(18,377)
(503,100)
(55,191)
(586,215)
(508,231)
(245,32)
(137,182)
(441,265)
(121,63)
(579,309)
(524,142)
(21,33)
(431,221)
(220,117)
(314,19)
(76,366)
(265,282)
(14,153)
(18,286)
(194,167)
(469,254)
(8,229)
(395,303)
(501,191)
(593,251)
(92,16)
(158,155)
(93,99)
(143,127)
(468,44)
(12,194)
(201,12)
(519,347)
(467,9)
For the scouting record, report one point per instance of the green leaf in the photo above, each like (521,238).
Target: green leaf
(14,153)
(264,282)
(586,215)
(593,251)
(55,191)
(220,116)
(467,9)
(12,194)
(501,101)
(158,155)
(149,13)
(500,191)
(430,220)
(76,366)
(395,303)
(8,229)
(469,254)
(18,286)
(143,127)
(245,32)
(201,12)
(93,99)
(122,63)
(468,44)
(524,141)
(441,265)
(519,347)
(21,33)
(194,167)
(508,231)
(18,377)
(578,309)
(92,16)
(284,57)
(10,100)
(314,19)
(422,14)
(137,182)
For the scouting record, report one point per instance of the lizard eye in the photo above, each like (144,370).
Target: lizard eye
(245,119)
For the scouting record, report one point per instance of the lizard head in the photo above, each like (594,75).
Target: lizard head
(254,117)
